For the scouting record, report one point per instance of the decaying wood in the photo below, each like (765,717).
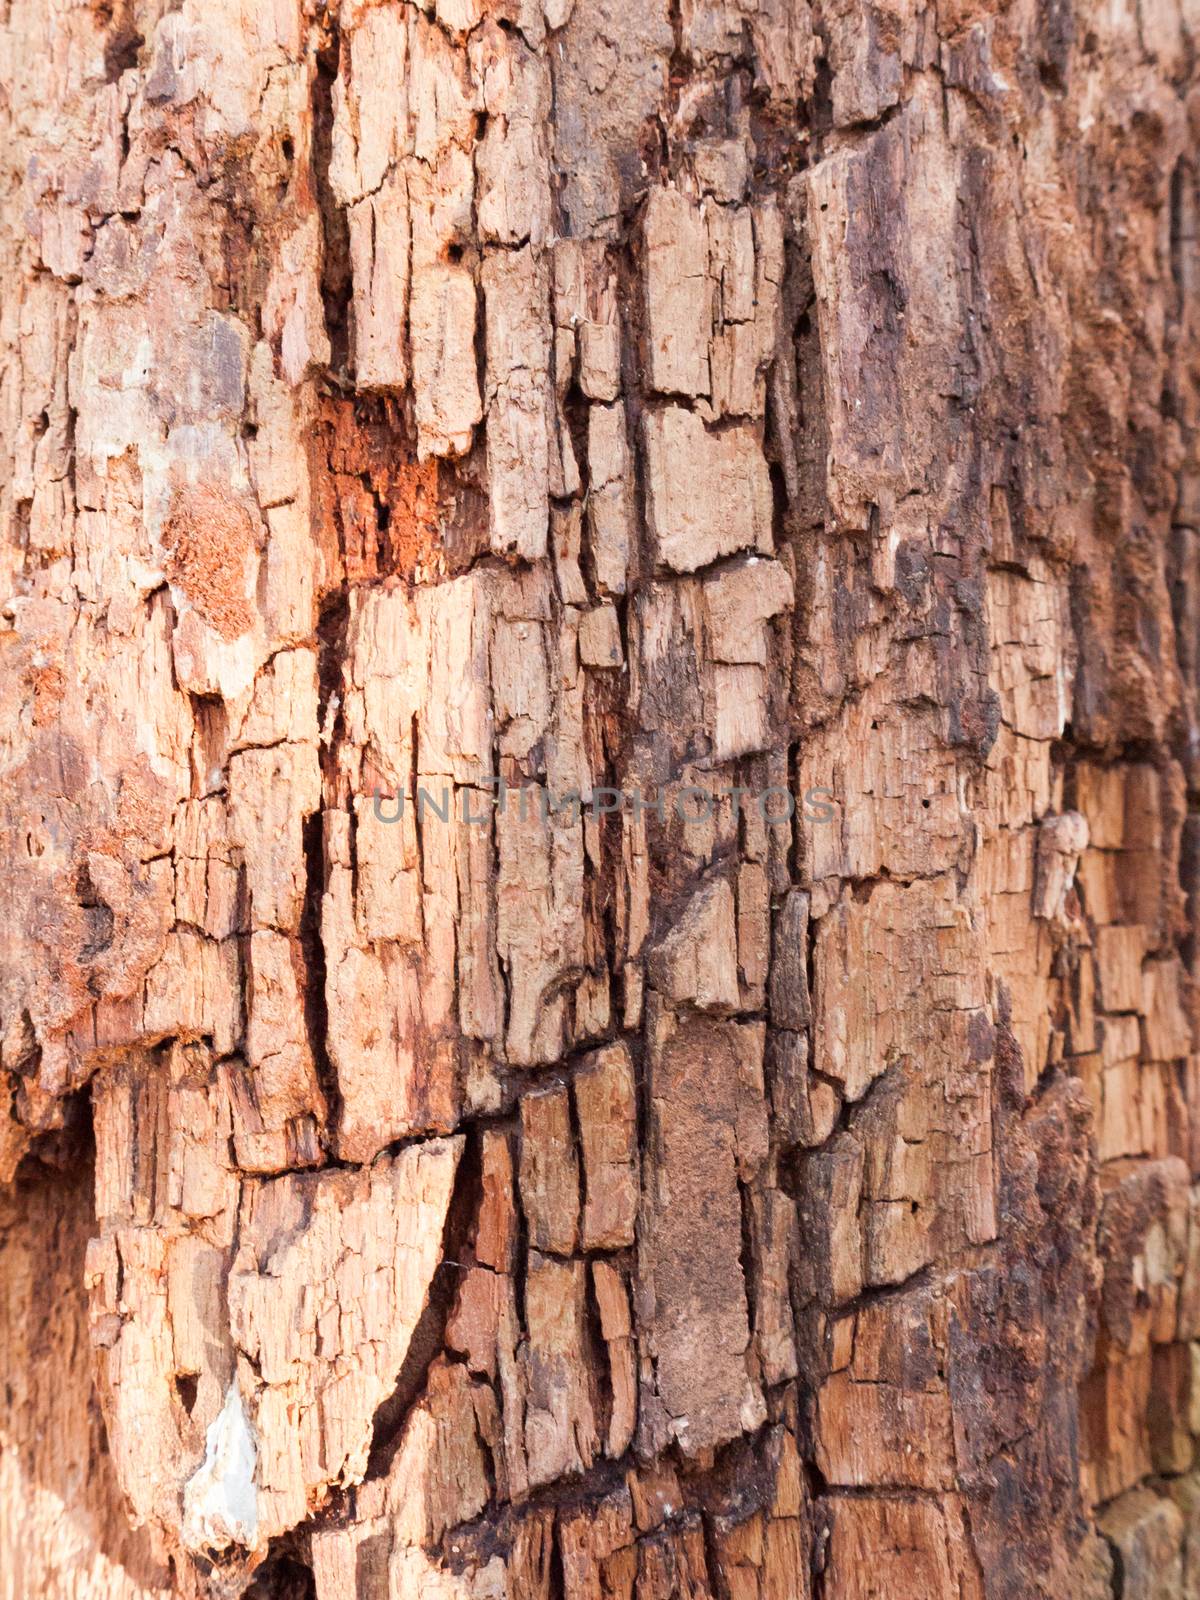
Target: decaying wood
(466,1132)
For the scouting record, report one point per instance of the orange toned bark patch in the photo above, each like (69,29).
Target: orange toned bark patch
(207,536)
(382,502)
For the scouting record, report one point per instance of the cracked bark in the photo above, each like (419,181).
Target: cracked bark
(410,1191)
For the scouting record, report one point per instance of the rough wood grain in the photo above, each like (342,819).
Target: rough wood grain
(598,800)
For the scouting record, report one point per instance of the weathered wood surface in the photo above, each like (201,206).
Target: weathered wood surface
(587,1203)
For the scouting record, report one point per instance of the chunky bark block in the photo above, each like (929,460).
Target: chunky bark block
(600,637)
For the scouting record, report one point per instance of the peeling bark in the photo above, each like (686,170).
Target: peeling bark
(599,800)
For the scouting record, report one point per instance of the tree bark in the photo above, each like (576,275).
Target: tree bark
(601,800)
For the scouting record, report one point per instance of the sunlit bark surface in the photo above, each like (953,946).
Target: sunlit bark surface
(600,803)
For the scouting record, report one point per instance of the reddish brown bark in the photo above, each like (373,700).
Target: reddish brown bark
(684,408)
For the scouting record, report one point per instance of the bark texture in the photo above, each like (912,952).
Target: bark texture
(416,1197)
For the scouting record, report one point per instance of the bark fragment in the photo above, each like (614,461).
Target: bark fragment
(600,756)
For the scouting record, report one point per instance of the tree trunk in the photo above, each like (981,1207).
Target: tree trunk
(600,803)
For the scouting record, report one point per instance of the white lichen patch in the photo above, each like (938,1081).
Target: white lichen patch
(220,1503)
